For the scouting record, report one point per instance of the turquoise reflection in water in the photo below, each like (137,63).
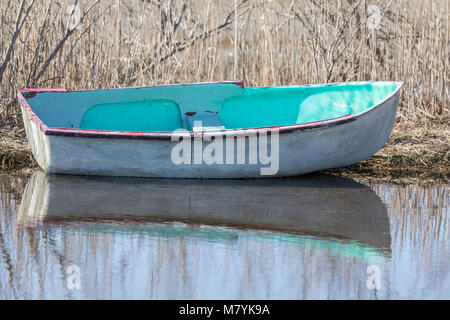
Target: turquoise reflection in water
(351,248)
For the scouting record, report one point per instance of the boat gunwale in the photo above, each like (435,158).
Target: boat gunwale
(282,129)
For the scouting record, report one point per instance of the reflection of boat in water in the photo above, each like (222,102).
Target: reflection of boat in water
(316,205)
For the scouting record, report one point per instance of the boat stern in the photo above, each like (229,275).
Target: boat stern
(37,140)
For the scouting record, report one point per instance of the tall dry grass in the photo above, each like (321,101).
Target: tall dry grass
(265,43)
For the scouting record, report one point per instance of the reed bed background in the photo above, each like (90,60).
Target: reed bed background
(78,44)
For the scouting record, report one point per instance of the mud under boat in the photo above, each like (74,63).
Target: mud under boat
(208,130)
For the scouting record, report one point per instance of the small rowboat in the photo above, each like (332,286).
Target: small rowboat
(208,130)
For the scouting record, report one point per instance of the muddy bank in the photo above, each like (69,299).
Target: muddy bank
(416,151)
(15,154)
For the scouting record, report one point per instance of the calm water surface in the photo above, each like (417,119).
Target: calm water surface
(304,238)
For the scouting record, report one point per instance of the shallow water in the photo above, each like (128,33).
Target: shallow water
(314,237)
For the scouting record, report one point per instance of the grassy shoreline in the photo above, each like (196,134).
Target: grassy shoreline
(415,152)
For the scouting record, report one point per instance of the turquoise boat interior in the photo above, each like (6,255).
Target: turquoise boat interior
(214,106)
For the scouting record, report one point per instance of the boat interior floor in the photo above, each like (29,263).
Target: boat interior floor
(205,107)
